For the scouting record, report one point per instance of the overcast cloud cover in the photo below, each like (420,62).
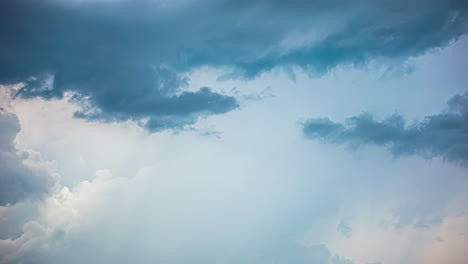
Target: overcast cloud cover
(192,131)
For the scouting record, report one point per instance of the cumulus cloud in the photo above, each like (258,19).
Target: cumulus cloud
(442,135)
(105,221)
(187,207)
(115,55)
(88,223)
(23,175)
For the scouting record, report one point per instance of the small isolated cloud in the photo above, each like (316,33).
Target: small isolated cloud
(23,175)
(443,135)
(344,227)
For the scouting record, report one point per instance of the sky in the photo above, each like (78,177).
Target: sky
(232,131)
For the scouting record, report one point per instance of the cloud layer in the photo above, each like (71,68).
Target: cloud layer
(232,202)
(443,135)
(258,195)
(124,60)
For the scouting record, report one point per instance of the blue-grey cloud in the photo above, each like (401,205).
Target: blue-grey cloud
(344,228)
(116,55)
(18,182)
(149,95)
(443,135)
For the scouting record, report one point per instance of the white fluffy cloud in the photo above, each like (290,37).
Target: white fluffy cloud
(23,174)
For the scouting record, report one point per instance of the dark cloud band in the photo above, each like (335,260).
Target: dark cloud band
(443,135)
(126,58)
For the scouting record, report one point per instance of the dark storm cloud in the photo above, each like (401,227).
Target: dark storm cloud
(124,59)
(443,135)
(17,181)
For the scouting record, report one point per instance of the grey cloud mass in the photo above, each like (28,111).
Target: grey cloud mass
(443,135)
(124,60)
(18,181)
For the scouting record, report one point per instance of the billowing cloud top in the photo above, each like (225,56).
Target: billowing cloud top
(22,174)
(124,60)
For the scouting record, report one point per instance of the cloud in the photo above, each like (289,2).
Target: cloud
(125,60)
(344,228)
(443,135)
(23,175)
(182,206)
(122,228)
(149,96)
